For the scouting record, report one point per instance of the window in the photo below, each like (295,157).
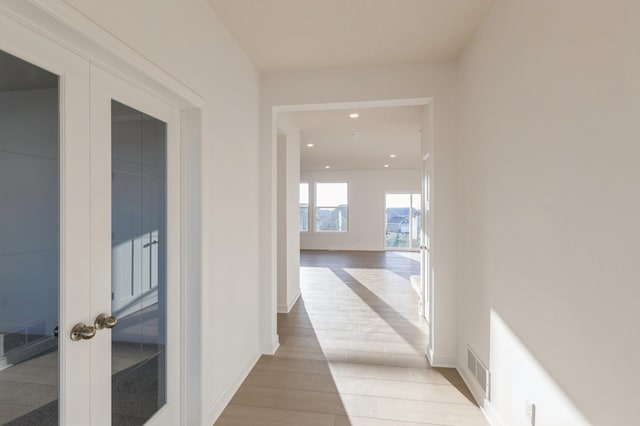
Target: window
(403,221)
(304,207)
(331,207)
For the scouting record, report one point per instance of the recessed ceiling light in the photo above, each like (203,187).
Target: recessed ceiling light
(355,134)
(386,165)
(354,115)
(327,167)
(393,156)
(310,145)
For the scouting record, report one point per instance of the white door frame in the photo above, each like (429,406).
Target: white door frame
(269,291)
(425,247)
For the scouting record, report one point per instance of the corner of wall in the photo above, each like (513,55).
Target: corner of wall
(285,309)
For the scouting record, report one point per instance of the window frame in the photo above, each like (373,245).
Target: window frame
(309,207)
(411,194)
(316,207)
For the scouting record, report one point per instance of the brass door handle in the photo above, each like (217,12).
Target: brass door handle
(105,321)
(82,331)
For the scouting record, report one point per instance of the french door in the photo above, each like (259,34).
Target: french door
(403,217)
(89,242)
(425,246)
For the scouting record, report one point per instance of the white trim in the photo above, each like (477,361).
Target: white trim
(355,104)
(491,414)
(273,346)
(285,309)
(66,26)
(269,290)
(441,361)
(221,403)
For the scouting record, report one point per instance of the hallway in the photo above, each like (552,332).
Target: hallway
(352,353)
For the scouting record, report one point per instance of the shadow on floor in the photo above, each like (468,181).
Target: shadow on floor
(399,263)
(396,320)
(291,388)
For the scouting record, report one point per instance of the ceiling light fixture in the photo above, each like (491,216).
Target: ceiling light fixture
(354,115)
(393,156)
(310,145)
(327,167)
(386,165)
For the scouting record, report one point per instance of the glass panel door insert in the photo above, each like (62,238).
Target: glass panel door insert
(29,243)
(402,214)
(139,279)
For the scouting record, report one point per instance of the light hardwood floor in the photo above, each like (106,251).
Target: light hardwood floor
(352,353)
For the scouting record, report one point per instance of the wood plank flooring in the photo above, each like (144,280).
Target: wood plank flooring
(352,353)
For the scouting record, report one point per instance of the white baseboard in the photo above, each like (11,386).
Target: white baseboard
(282,309)
(441,361)
(491,414)
(478,394)
(344,249)
(223,400)
(273,347)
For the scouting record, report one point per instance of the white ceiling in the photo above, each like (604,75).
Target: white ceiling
(382,132)
(288,35)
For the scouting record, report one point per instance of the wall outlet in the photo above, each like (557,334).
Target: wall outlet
(530,412)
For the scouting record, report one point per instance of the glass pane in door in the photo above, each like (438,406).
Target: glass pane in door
(416,211)
(139,145)
(398,220)
(29,243)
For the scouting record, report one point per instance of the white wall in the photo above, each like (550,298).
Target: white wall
(423,81)
(366,213)
(548,209)
(288,166)
(185,39)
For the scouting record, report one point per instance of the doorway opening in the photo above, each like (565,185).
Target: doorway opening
(382,167)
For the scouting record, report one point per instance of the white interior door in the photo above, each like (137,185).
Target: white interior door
(45,282)
(89,185)
(135,165)
(425,247)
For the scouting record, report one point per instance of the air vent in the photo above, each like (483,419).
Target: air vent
(479,372)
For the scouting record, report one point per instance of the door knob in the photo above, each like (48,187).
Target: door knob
(82,331)
(105,321)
